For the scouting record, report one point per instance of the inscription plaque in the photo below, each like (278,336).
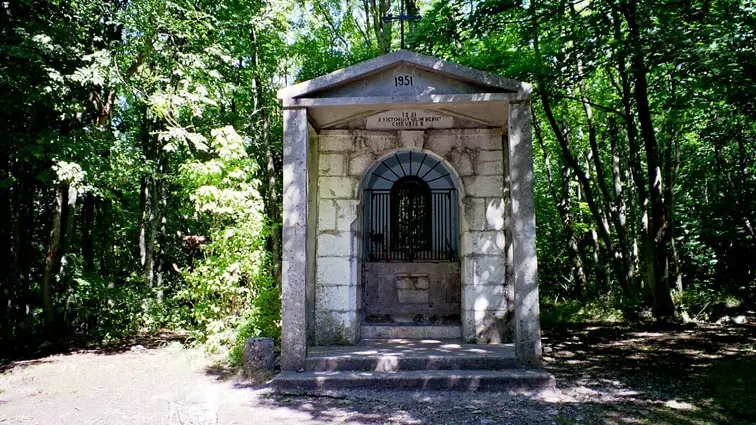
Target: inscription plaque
(408,120)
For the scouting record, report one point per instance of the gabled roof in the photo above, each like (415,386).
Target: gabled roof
(437,66)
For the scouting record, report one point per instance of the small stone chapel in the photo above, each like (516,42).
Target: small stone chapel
(408,221)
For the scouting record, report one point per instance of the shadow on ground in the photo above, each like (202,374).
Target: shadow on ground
(417,407)
(606,374)
(696,374)
(142,342)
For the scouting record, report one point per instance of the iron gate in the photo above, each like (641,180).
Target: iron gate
(410,222)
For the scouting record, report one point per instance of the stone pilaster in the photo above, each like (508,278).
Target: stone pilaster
(527,320)
(294,267)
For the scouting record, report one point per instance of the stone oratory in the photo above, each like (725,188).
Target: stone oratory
(409,254)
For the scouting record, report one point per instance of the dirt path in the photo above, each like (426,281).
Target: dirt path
(616,375)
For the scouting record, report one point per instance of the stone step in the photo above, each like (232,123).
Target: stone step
(408,355)
(397,331)
(460,380)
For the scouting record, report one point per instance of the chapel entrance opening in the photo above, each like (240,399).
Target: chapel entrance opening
(411,266)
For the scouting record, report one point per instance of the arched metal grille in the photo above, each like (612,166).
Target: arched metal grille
(410,215)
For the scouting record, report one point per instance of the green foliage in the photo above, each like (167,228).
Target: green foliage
(148,111)
(264,319)
(230,289)
(701,304)
(696,57)
(161,118)
(99,310)
(599,310)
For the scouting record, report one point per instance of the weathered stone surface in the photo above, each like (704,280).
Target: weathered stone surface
(336,327)
(412,281)
(412,288)
(480,139)
(346,213)
(487,242)
(382,143)
(441,143)
(332,164)
(492,156)
(338,187)
(295,258)
(259,353)
(527,316)
(327,214)
(399,331)
(514,380)
(355,79)
(461,161)
(484,186)
(440,299)
(359,163)
(489,168)
(488,269)
(491,327)
(333,270)
(402,80)
(335,297)
(495,213)
(337,214)
(475,213)
(487,297)
(335,244)
(412,139)
(412,296)
(336,143)
(482,227)
(496,222)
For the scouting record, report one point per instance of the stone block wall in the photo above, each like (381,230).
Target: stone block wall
(343,157)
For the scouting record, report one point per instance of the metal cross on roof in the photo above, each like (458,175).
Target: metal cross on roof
(401,18)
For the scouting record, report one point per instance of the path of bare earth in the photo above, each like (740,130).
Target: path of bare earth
(610,374)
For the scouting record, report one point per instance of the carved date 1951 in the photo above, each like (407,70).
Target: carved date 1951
(403,80)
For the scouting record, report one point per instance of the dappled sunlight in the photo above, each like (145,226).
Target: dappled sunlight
(410,348)
(659,376)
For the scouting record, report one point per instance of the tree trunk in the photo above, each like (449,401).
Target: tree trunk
(573,250)
(598,215)
(67,231)
(146,228)
(662,304)
(6,252)
(105,236)
(619,254)
(23,237)
(270,166)
(23,225)
(382,30)
(51,259)
(619,210)
(368,27)
(161,224)
(87,224)
(647,246)
(65,202)
(563,204)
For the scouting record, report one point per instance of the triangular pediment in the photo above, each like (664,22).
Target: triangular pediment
(403,73)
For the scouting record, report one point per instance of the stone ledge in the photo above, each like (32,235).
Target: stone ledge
(516,380)
(397,355)
(392,331)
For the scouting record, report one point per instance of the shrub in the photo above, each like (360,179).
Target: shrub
(230,291)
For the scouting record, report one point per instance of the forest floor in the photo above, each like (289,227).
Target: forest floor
(613,374)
